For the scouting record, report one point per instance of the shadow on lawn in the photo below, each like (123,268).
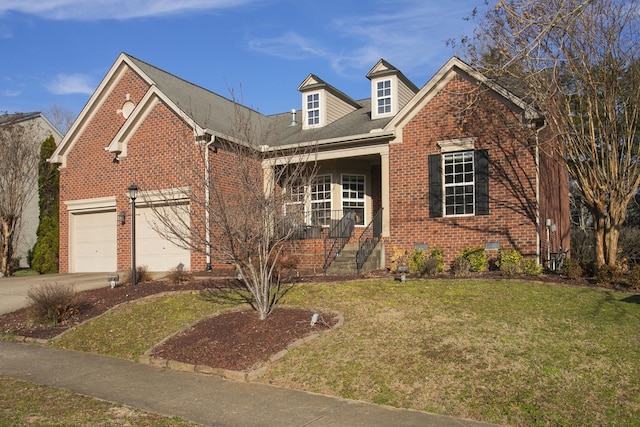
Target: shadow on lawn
(633,299)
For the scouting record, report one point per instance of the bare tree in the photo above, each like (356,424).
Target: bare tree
(237,193)
(61,118)
(577,62)
(19,155)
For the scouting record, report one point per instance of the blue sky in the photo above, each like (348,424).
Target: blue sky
(56,52)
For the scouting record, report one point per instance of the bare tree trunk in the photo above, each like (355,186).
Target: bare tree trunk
(599,238)
(8,228)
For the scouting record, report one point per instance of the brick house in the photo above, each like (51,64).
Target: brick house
(461,162)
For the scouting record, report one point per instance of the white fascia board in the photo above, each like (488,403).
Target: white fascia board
(338,153)
(152,98)
(95,204)
(168,195)
(444,75)
(94,103)
(350,139)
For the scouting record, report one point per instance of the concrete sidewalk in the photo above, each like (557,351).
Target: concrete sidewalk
(207,400)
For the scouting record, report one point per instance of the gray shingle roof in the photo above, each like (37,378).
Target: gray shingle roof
(17,117)
(212,111)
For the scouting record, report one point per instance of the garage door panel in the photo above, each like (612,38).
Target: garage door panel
(154,251)
(94,242)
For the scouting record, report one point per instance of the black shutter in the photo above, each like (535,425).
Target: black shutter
(435,185)
(482,181)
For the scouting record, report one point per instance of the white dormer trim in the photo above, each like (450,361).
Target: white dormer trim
(319,113)
(399,92)
(393,97)
(333,104)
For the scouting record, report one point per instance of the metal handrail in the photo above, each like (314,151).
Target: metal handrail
(339,233)
(368,240)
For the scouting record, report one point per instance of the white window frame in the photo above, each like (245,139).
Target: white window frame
(384,97)
(310,199)
(354,198)
(312,108)
(458,180)
(316,202)
(296,203)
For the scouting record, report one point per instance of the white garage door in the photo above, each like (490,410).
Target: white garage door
(93,242)
(152,250)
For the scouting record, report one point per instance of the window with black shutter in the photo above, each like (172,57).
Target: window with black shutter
(459,183)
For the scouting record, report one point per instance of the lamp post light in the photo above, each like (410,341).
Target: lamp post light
(133,193)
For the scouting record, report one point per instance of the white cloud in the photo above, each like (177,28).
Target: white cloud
(411,34)
(67,84)
(11,92)
(89,10)
(288,46)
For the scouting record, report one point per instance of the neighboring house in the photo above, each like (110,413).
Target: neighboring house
(41,128)
(457,163)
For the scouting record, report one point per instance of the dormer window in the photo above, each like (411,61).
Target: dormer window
(383,94)
(313,109)
(390,90)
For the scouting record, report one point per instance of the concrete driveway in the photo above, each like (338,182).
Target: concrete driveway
(13,290)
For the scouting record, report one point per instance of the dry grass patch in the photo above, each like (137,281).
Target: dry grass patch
(507,352)
(26,404)
(499,351)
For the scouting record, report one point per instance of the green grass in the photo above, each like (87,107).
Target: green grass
(506,352)
(25,272)
(134,328)
(23,404)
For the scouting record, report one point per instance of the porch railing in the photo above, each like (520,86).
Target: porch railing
(368,240)
(339,234)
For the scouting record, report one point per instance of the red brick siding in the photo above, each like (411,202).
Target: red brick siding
(512,175)
(89,171)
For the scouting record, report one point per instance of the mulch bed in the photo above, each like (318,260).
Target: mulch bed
(89,304)
(238,340)
(235,340)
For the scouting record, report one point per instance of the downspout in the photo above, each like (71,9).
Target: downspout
(207,203)
(538,246)
(537,160)
(207,231)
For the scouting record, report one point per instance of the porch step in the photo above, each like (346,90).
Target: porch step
(345,263)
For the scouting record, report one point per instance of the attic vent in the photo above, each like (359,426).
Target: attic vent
(293,117)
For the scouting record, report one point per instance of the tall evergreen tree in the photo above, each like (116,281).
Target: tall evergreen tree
(45,252)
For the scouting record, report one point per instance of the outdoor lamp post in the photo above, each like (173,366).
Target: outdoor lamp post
(133,193)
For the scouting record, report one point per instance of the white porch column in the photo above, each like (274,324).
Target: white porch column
(384,172)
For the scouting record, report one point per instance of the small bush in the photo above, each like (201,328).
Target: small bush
(439,256)
(530,267)
(477,257)
(634,277)
(461,266)
(416,260)
(509,261)
(53,304)
(606,274)
(571,269)
(178,276)
(431,266)
(142,275)
(398,258)
(287,265)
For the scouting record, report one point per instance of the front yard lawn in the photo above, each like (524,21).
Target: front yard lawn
(501,351)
